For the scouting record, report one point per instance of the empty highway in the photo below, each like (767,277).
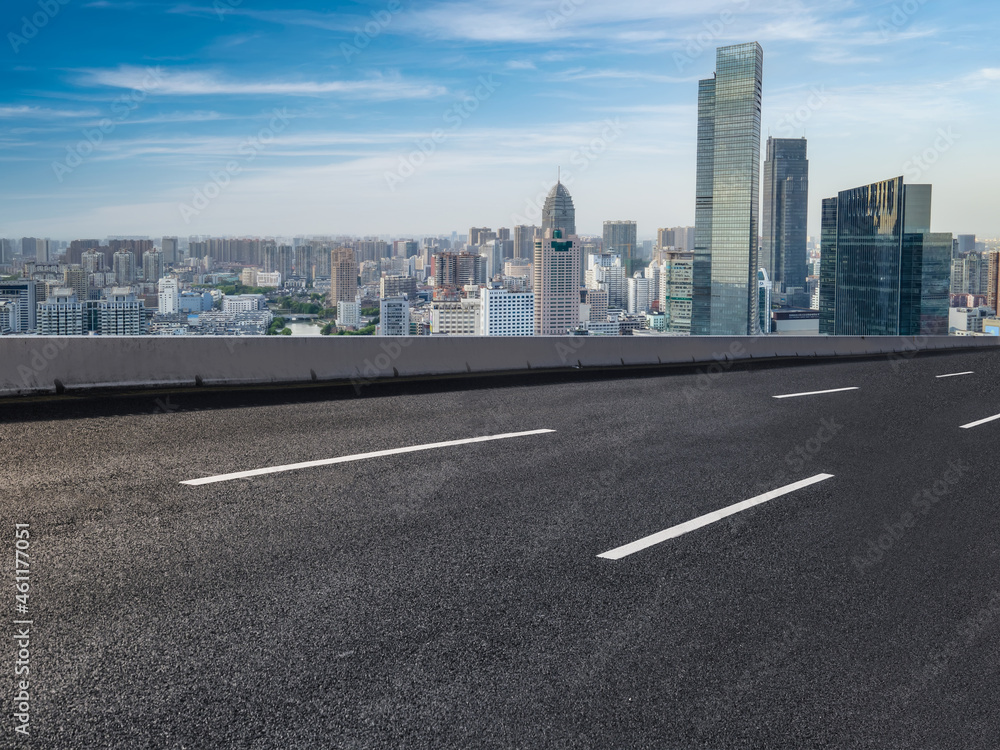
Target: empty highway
(773,557)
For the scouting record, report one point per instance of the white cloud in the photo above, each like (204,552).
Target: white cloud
(205,83)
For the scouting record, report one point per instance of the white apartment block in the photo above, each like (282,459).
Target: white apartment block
(169,293)
(394,318)
(457,318)
(61,314)
(506,313)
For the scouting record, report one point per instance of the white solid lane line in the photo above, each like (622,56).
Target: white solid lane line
(706,520)
(955,375)
(818,393)
(980,422)
(359,457)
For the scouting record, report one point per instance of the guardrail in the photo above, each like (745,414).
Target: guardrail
(34,365)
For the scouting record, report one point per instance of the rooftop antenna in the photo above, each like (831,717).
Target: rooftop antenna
(559,177)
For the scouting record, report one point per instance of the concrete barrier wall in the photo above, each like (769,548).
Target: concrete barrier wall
(46,365)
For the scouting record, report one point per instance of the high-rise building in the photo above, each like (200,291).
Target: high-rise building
(343,275)
(784,217)
(524,241)
(171,251)
(676,290)
(727,194)
(121,314)
(507,313)
(75,278)
(397,286)
(394,317)
(169,293)
(641,293)
(665,238)
(10,316)
(27,294)
(124,268)
(883,272)
(597,299)
(61,314)
(152,266)
(560,213)
(479,236)
(993,279)
(966,244)
(557,282)
(620,239)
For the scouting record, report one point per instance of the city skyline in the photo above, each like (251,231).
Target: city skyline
(876,91)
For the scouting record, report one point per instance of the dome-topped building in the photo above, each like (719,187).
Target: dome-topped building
(559,212)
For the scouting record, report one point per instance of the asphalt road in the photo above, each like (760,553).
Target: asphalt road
(454,597)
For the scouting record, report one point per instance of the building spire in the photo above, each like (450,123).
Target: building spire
(559,177)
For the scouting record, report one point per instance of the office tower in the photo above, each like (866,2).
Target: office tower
(966,244)
(457,317)
(557,277)
(783,219)
(620,239)
(152,266)
(524,241)
(26,293)
(727,194)
(343,275)
(75,278)
(684,239)
(405,248)
(765,288)
(394,317)
(496,252)
(677,290)
(169,295)
(121,314)
(882,271)
(124,268)
(560,213)
(61,314)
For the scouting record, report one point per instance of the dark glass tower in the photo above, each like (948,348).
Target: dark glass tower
(784,217)
(883,273)
(727,195)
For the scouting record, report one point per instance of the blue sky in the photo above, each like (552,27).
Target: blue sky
(234,117)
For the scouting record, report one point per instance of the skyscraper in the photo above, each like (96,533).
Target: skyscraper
(524,241)
(124,268)
(560,213)
(343,275)
(785,208)
(883,273)
(556,287)
(727,194)
(620,238)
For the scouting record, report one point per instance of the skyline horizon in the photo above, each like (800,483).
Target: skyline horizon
(203,130)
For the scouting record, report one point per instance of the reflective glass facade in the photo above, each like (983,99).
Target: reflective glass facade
(882,273)
(784,214)
(727,194)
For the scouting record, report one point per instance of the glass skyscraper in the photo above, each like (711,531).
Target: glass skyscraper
(727,195)
(620,238)
(882,271)
(784,215)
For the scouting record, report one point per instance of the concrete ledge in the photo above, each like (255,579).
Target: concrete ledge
(39,365)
